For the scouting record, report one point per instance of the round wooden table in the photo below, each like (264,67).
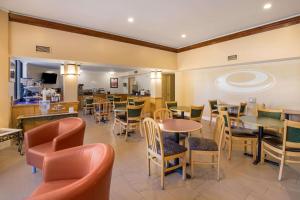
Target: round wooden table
(177,126)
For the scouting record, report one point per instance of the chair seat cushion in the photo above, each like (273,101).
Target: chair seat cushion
(36,154)
(242,132)
(171,136)
(202,144)
(172,148)
(123,118)
(215,112)
(51,186)
(277,143)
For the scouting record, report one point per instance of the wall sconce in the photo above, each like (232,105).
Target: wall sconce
(155,74)
(70,69)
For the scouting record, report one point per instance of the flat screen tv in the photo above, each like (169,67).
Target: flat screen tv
(49,78)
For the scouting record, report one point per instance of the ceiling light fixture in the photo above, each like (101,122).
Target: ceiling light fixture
(130,19)
(267,6)
(183,35)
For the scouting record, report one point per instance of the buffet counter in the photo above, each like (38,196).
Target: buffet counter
(34,109)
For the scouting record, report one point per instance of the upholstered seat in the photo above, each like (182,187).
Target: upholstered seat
(202,144)
(123,118)
(172,148)
(277,143)
(242,132)
(171,136)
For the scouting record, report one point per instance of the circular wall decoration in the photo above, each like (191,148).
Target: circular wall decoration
(246,81)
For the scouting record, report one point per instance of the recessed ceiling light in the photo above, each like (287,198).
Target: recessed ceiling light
(130,19)
(267,6)
(183,35)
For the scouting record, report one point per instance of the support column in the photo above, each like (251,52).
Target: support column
(4,71)
(70,87)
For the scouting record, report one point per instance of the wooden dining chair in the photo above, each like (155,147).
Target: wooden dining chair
(170,104)
(163,114)
(88,105)
(161,151)
(286,150)
(207,147)
(238,134)
(241,111)
(196,113)
(117,105)
(102,111)
(131,120)
(274,114)
(138,102)
(117,99)
(213,107)
(130,101)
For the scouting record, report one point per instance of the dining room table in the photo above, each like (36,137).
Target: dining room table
(181,109)
(262,123)
(177,126)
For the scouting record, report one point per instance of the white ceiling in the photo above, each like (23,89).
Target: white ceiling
(159,21)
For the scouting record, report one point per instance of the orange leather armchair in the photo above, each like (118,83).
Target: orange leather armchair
(53,136)
(79,173)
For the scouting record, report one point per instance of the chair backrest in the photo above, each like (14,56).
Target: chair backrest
(153,137)
(139,102)
(89,101)
(219,131)
(121,104)
(104,107)
(110,97)
(227,122)
(213,104)
(291,137)
(134,112)
(170,104)
(117,99)
(162,114)
(130,101)
(270,113)
(242,108)
(196,112)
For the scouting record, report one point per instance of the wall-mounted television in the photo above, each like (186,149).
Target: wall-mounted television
(49,78)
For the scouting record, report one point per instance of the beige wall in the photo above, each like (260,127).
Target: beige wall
(277,44)
(72,46)
(277,85)
(4,60)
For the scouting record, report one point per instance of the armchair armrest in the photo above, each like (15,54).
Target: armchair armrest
(56,165)
(41,134)
(70,139)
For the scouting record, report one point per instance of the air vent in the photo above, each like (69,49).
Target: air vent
(43,49)
(232,57)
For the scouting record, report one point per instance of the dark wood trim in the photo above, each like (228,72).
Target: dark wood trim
(252,31)
(74,29)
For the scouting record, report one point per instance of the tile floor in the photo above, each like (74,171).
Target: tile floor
(240,179)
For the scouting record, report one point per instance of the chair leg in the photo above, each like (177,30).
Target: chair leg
(229,149)
(210,119)
(253,145)
(149,165)
(126,133)
(192,164)
(33,170)
(281,167)
(262,155)
(245,146)
(213,160)
(218,172)
(162,175)
(183,168)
